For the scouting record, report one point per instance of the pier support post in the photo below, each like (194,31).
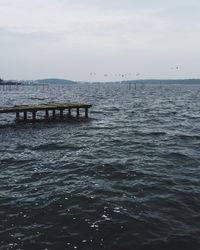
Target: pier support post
(61,114)
(17,116)
(46,114)
(54,114)
(86,112)
(25,116)
(34,116)
(69,111)
(77,112)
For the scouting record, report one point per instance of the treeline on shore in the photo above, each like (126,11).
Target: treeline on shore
(5,82)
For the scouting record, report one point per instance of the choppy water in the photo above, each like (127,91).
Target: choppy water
(128,178)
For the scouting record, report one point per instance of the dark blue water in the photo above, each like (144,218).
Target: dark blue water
(128,178)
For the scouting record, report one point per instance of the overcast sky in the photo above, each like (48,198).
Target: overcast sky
(73,38)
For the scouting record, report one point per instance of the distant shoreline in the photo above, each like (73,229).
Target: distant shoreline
(64,81)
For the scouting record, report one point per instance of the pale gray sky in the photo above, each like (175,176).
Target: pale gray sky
(72,38)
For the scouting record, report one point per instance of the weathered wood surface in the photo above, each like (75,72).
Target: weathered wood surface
(48,106)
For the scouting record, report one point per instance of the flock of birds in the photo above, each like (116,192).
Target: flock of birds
(129,74)
(106,75)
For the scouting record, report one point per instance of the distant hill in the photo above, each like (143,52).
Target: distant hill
(54,81)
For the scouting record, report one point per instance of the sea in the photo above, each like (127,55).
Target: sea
(128,177)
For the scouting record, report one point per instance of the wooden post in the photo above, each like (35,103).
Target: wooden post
(69,112)
(17,116)
(46,114)
(34,116)
(77,112)
(86,112)
(54,114)
(25,116)
(61,114)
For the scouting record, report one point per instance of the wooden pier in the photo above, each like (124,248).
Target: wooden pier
(49,111)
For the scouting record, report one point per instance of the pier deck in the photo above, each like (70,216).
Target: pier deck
(47,108)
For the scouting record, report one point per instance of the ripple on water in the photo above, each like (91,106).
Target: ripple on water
(128,178)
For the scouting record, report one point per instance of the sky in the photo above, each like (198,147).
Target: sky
(99,40)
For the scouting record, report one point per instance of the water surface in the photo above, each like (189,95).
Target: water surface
(127,178)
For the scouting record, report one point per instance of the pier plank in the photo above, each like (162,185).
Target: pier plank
(38,107)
